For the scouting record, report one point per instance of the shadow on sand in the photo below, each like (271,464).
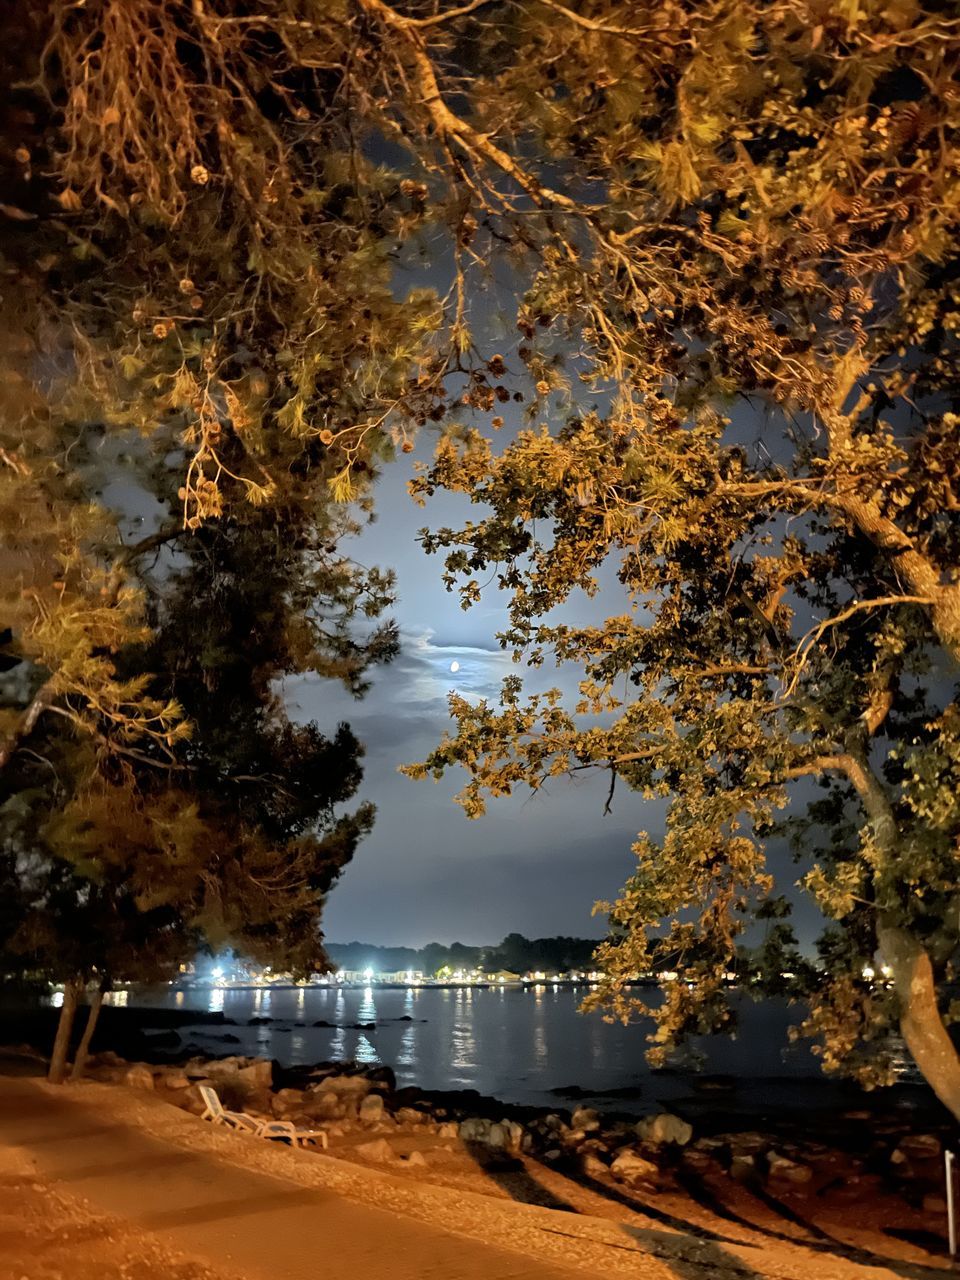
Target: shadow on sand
(690,1250)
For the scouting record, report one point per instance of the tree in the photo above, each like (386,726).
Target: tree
(699,203)
(749,261)
(197,302)
(202,341)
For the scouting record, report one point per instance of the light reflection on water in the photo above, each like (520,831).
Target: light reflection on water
(407,1055)
(365,1052)
(463,1046)
(540,1044)
(515,1044)
(338,1045)
(368,1009)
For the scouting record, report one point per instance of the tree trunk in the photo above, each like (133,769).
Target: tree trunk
(61,1046)
(80,1061)
(920,1022)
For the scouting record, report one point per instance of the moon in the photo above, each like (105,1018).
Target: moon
(454,667)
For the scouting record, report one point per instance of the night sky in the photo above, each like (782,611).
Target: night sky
(533,864)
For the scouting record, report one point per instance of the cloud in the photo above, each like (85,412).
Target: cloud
(534,864)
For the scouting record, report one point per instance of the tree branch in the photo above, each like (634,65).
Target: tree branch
(166,533)
(439,18)
(803,649)
(26,723)
(866,784)
(591,24)
(449,125)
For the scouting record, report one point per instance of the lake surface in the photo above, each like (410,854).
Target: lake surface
(514,1044)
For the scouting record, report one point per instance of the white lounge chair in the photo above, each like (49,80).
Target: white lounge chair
(284,1130)
(217,1113)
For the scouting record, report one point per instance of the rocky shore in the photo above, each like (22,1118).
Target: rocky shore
(447,1138)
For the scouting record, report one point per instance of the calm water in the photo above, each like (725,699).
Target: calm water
(516,1045)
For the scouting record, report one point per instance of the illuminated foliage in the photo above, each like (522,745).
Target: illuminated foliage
(736,228)
(731,229)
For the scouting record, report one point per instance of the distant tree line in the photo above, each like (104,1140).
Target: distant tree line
(515,953)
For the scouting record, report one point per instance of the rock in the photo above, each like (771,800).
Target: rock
(553,1154)
(744,1144)
(410,1115)
(553,1121)
(371,1109)
(190,1100)
(384,1076)
(585,1118)
(448,1130)
(250,1073)
(710,1146)
(592,1166)
(106,1059)
(259,1102)
(416,1159)
(497,1137)
(174,1078)
(514,1134)
(286,1101)
(475,1129)
(379,1150)
(920,1146)
(663,1129)
(631,1168)
(258,1022)
(138,1077)
(355,1086)
(743,1169)
(106,1075)
(326,1106)
(258,1073)
(858,1188)
(783,1169)
(598,1146)
(699,1161)
(934,1203)
(573,1137)
(163,1039)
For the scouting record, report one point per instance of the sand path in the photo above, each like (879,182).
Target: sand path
(121,1165)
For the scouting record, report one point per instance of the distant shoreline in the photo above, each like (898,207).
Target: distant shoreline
(374,984)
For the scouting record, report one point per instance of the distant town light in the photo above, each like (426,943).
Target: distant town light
(368,974)
(868,972)
(218,973)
